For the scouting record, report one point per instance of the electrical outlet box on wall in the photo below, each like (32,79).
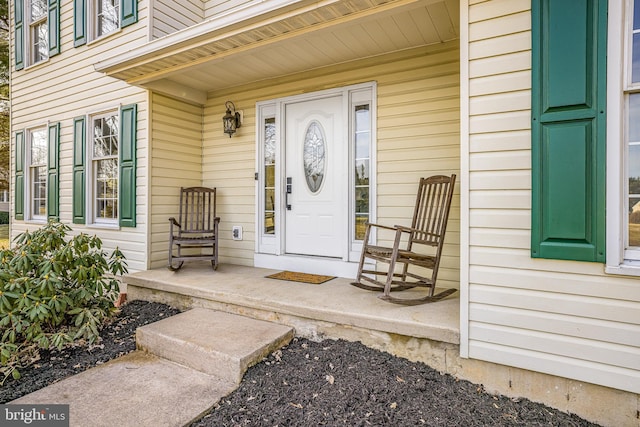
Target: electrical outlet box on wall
(236,232)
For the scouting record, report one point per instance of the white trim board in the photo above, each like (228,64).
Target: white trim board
(304,264)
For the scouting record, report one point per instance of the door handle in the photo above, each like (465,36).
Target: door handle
(288,192)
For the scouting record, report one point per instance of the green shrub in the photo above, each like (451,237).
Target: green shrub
(53,292)
(4,217)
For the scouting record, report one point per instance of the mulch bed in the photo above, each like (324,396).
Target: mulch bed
(328,383)
(118,339)
(340,383)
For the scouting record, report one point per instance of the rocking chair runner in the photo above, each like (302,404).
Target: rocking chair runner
(423,248)
(196,227)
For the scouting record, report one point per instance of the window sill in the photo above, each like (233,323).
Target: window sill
(104,226)
(103,37)
(36,64)
(39,221)
(628,268)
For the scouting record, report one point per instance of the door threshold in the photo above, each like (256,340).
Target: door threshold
(307,264)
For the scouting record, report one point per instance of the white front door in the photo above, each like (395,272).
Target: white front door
(316,156)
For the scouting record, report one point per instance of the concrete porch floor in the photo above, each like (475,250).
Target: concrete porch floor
(429,333)
(313,310)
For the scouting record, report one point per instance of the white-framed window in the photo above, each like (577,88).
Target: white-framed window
(37,174)
(362,154)
(269,183)
(623,138)
(37,32)
(96,19)
(361,142)
(631,96)
(106,15)
(268,218)
(103,168)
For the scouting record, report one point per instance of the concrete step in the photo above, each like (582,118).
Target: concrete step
(135,390)
(213,342)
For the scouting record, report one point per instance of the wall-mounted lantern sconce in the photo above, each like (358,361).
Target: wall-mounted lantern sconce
(231,120)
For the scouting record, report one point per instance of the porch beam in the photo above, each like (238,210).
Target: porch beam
(176,90)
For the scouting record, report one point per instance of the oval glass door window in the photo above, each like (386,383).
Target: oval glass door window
(314,155)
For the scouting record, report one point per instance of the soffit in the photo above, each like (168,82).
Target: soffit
(207,58)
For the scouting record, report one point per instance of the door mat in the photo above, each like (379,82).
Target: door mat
(314,279)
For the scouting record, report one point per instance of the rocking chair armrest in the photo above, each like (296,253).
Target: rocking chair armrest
(407,229)
(173,222)
(386,227)
(404,229)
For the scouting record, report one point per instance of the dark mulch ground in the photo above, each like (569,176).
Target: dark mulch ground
(118,338)
(330,383)
(339,383)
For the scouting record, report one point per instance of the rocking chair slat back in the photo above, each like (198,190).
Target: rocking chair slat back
(432,210)
(428,228)
(196,228)
(197,209)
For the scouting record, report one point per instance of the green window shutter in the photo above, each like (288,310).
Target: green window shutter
(53,24)
(18,196)
(568,129)
(79,22)
(19,33)
(128,12)
(79,159)
(53,173)
(127,164)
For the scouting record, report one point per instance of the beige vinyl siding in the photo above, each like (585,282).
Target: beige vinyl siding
(229,165)
(418,135)
(65,87)
(216,7)
(176,137)
(170,16)
(559,317)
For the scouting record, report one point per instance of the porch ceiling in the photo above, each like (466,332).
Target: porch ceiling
(245,47)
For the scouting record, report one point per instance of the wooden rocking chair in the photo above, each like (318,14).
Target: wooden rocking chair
(423,248)
(196,227)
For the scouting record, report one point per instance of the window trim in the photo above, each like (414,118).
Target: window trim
(92,22)
(82,209)
(85,20)
(366,95)
(267,243)
(30,216)
(22,32)
(628,88)
(618,44)
(90,181)
(33,34)
(28,35)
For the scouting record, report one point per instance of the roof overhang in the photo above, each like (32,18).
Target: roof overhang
(270,39)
